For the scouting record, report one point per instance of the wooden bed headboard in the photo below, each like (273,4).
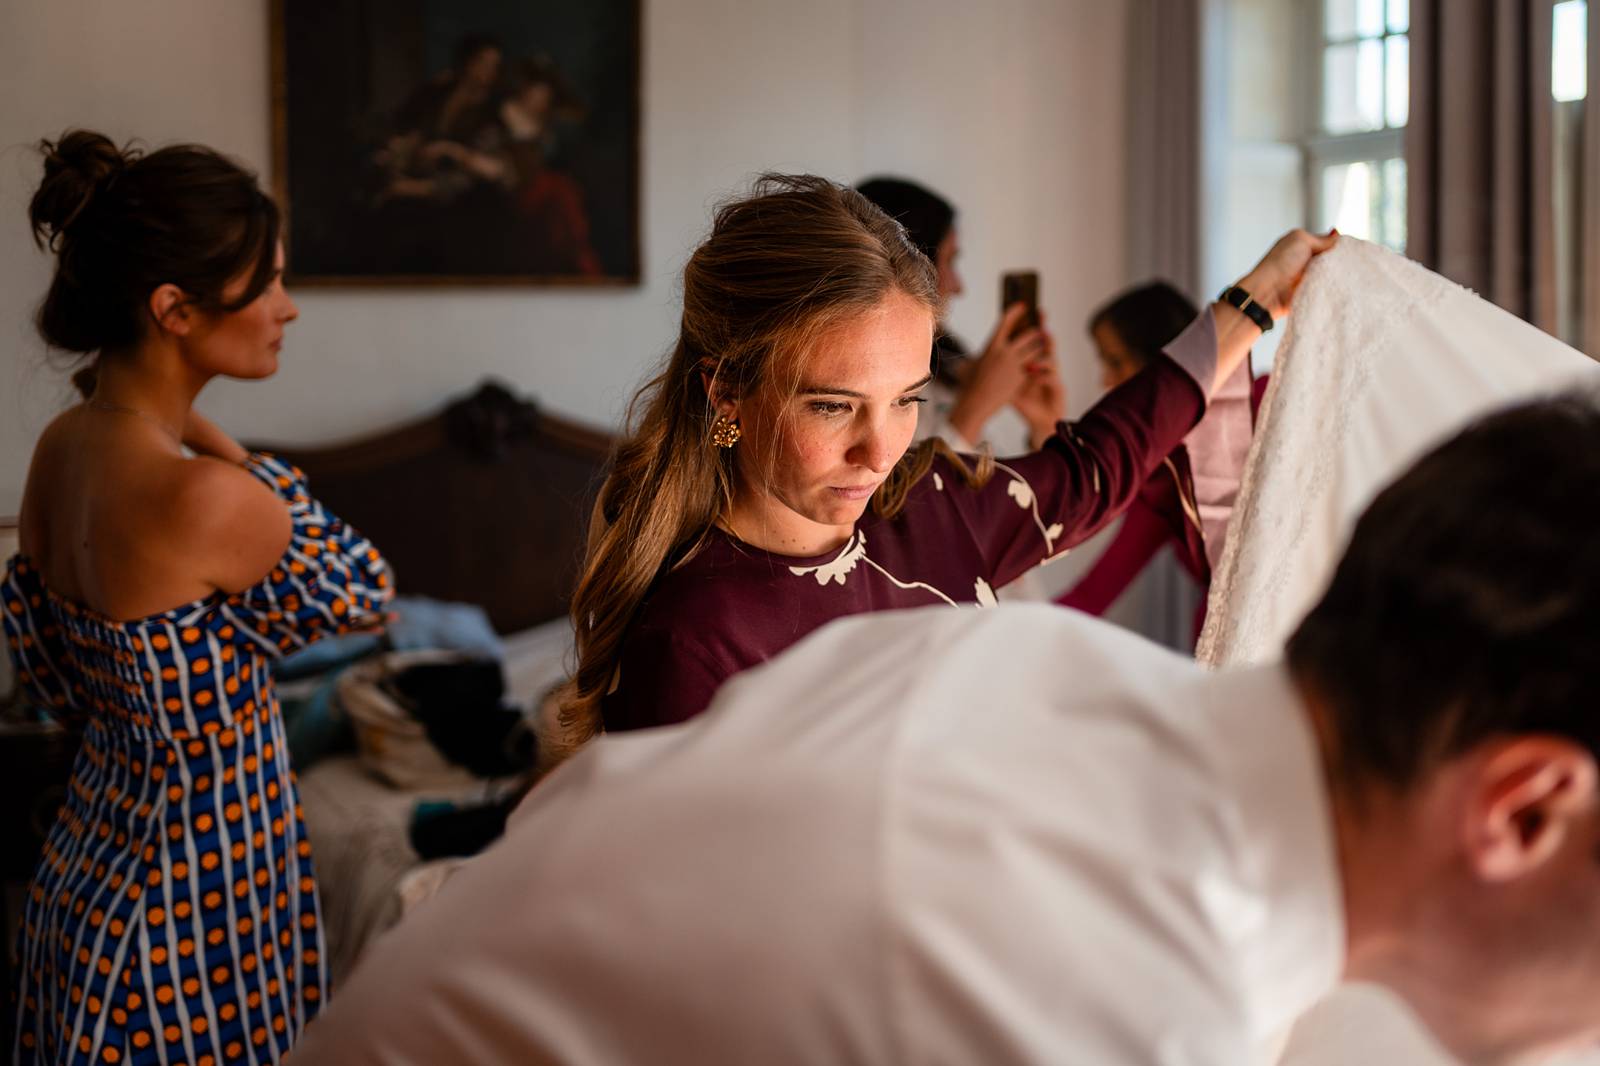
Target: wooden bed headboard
(486,502)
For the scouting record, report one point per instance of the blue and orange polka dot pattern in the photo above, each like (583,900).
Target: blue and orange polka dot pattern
(173,917)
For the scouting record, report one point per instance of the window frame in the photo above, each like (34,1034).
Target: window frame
(1323,150)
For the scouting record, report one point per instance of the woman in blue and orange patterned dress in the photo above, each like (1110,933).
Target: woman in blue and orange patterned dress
(173,915)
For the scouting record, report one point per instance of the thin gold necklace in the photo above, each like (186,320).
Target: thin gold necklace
(117,408)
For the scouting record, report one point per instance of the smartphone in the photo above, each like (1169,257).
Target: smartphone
(1021,286)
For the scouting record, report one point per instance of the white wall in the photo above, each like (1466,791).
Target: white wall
(1013,108)
(1014,111)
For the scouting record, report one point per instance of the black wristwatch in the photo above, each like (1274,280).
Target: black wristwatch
(1237,297)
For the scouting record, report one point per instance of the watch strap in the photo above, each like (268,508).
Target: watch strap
(1234,296)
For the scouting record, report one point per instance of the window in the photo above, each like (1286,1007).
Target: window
(1569,85)
(1355,153)
(1569,34)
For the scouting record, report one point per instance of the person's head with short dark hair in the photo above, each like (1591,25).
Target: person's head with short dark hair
(1133,328)
(1453,668)
(929,220)
(1467,604)
(124,224)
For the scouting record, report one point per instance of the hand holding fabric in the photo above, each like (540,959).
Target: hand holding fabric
(1276,279)
(1272,284)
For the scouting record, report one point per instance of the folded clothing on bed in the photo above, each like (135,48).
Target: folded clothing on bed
(416,622)
(461,704)
(433,718)
(315,724)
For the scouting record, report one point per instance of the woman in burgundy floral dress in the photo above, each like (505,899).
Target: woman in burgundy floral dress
(769,484)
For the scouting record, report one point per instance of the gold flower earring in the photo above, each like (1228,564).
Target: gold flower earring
(725,432)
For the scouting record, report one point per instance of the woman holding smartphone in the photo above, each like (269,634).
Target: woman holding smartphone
(1009,395)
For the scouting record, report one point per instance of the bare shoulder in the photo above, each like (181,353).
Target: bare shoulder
(56,444)
(119,519)
(235,526)
(55,478)
(35,504)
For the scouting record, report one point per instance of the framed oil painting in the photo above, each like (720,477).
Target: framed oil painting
(458,141)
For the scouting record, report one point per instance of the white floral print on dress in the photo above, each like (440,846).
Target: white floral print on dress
(838,568)
(1019,489)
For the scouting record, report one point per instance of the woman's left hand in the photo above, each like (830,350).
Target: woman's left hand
(1277,277)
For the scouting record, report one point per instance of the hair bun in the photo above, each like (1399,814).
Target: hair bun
(77,168)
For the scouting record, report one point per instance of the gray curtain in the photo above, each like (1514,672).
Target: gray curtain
(1163,235)
(1478,150)
(1164,129)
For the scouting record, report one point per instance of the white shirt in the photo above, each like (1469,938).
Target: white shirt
(999,836)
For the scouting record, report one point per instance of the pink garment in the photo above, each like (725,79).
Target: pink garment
(1167,508)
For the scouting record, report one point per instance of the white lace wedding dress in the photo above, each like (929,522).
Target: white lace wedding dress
(1383,359)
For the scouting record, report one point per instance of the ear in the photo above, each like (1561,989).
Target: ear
(170,309)
(725,405)
(1525,800)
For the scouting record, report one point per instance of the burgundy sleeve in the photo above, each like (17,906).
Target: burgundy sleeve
(1143,533)
(1040,505)
(662,680)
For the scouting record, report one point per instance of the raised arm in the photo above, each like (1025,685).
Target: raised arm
(1091,470)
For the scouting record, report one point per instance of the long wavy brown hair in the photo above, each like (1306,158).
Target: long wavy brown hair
(782,266)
